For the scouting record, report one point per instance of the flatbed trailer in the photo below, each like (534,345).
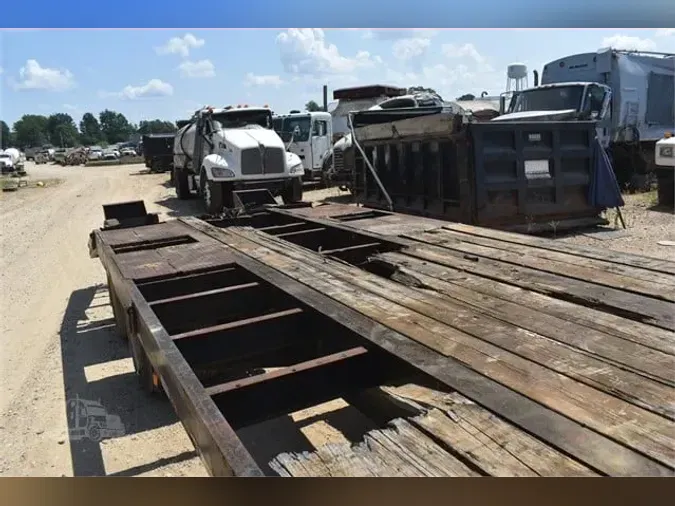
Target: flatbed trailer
(474,352)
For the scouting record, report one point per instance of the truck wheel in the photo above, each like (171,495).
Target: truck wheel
(211,193)
(293,191)
(180,180)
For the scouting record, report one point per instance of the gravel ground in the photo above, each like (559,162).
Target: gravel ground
(58,342)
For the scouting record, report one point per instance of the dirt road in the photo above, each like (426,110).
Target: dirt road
(57,342)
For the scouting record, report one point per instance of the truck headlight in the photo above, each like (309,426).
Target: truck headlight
(297,169)
(666,151)
(221,172)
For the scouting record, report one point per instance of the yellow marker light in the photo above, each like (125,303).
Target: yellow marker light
(667,135)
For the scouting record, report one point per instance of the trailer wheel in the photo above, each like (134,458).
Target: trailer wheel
(118,312)
(180,179)
(292,192)
(211,193)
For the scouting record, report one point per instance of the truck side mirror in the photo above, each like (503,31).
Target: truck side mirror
(296,131)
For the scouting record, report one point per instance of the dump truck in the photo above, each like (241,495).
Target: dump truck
(158,151)
(629,94)
(433,348)
(222,150)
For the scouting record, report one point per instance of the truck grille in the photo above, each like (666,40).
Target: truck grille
(338,160)
(275,161)
(251,161)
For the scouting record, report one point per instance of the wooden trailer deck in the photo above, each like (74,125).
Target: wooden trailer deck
(543,358)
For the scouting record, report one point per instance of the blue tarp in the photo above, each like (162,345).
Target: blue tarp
(604,191)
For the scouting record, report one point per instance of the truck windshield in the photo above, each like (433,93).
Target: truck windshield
(286,129)
(240,119)
(549,99)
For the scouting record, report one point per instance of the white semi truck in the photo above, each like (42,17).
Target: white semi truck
(309,135)
(224,150)
(12,161)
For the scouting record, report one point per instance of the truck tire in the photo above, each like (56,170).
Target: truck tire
(180,181)
(292,192)
(211,194)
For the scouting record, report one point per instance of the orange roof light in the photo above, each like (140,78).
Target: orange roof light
(667,135)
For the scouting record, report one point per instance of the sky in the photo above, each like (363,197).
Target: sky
(168,74)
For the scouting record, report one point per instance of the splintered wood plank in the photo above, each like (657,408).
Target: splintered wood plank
(660,280)
(417,450)
(635,427)
(654,312)
(564,270)
(143,264)
(603,346)
(492,291)
(482,438)
(644,262)
(399,450)
(626,385)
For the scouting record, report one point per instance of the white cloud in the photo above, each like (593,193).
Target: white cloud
(34,77)
(467,51)
(154,88)
(409,49)
(399,33)
(180,45)
(306,52)
(197,69)
(70,107)
(629,42)
(263,80)
(665,32)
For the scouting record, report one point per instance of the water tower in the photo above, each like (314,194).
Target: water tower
(516,77)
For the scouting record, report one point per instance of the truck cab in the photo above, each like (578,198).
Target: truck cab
(223,150)
(308,135)
(578,101)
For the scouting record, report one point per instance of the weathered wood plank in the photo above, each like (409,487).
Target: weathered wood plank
(644,262)
(618,302)
(563,270)
(660,280)
(604,346)
(629,386)
(485,441)
(630,330)
(634,426)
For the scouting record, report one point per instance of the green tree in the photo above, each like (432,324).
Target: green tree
(31,131)
(115,126)
(62,130)
(5,135)
(156,126)
(90,130)
(312,106)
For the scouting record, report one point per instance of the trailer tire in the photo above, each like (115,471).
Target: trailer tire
(118,312)
(292,192)
(181,183)
(211,194)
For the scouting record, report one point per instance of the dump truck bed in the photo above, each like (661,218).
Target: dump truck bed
(472,351)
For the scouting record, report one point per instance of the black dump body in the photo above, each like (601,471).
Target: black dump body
(158,151)
(515,175)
